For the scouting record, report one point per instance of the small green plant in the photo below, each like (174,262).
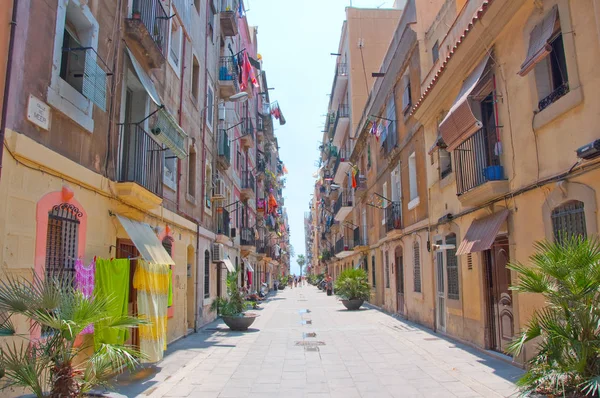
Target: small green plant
(566,331)
(54,366)
(353,284)
(234,304)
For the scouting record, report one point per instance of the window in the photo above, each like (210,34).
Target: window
(435,52)
(208,186)
(61,241)
(211,21)
(369,156)
(417,267)
(239,160)
(452,268)
(197,5)
(210,99)
(391,139)
(412,180)
(195,78)
(445,162)
(568,221)
(384,202)
(175,43)
(167,243)
(406,96)
(72,63)
(373,271)
(170,170)
(387,270)
(206,274)
(192,172)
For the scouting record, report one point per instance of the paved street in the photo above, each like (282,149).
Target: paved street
(353,354)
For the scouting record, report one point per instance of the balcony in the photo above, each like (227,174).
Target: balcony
(343,205)
(247,139)
(361,242)
(393,216)
(260,127)
(248,185)
(479,174)
(147,31)
(140,168)
(228,77)
(223,225)
(344,247)
(340,82)
(228,18)
(342,121)
(247,239)
(223,150)
(261,246)
(342,166)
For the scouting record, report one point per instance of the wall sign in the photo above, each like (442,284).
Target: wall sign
(38,112)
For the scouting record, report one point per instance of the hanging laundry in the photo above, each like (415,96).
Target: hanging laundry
(84,282)
(170,298)
(354,184)
(112,280)
(383,132)
(152,284)
(272,202)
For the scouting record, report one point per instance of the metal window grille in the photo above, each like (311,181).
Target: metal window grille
(452,269)
(387,270)
(373,270)
(568,220)
(417,267)
(61,241)
(206,274)
(469,261)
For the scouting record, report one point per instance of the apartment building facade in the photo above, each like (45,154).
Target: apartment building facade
(497,106)
(111,146)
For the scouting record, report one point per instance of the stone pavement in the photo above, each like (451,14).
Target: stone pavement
(305,344)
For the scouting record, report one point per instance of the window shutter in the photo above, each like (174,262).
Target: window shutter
(94,82)
(538,42)
(417,267)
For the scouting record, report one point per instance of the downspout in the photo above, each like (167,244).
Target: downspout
(180,117)
(197,313)
(11,44)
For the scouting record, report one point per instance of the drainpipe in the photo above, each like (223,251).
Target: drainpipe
(11,44)
(197,311)
(203,191)
(180,116)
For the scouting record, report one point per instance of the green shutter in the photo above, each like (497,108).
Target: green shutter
(168,132)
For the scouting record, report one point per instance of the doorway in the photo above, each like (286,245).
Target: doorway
(499,311)
(399,280)
(126,249)
(191,287)
(440,289)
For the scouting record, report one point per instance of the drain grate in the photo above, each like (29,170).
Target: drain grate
(305,343)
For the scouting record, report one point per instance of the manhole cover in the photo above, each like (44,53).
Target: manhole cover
(311,334)
(305,343)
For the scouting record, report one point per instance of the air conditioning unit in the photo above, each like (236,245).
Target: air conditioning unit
(222,112)
(218,252)
(218,189)
(589,151)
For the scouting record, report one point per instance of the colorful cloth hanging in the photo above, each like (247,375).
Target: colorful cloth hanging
(170,298)
(112,280)
(152,284)
(85,278)
(354,172)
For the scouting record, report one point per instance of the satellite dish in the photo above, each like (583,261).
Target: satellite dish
(239,97)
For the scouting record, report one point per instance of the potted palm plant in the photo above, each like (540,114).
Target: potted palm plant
(352,287)
(57,365)
(232,309)
(565,332)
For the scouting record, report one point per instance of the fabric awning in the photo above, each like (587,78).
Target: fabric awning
(539,46)
(144,79)
(229,265)
(248,266)
(482,232)
(146,241)
(464,117)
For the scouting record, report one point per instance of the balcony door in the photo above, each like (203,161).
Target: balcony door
(399,281)
(440,289)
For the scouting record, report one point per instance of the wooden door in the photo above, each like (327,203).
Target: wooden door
(126,249)
(399,281)
(440,290)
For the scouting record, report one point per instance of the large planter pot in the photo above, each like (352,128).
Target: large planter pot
(281,287)
(239,323)
(352,305)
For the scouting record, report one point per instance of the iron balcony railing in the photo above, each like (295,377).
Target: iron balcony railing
(273,252)
(247,236)
(359,240)
(140,159)
(344,244)
(247,128)
(228,70)
(393,216)
(342,69)
(343,110)
(261,245)
(224,146)
(248,180)
(477,161)
(223,222)
(558,92)
(344,200)
(155,19)
(260,122)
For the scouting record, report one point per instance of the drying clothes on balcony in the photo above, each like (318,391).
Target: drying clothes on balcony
(354,172)
(272,203)
(112,280)
(170,297)
(84,282)
(152,284)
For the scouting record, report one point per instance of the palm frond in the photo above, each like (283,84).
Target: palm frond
(25,365)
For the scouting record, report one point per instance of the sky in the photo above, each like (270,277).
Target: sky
(295,40)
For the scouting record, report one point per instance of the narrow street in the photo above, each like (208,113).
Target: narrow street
(305,344)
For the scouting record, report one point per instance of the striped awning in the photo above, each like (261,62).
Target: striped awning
(168,132)
(146,241)
(482,233)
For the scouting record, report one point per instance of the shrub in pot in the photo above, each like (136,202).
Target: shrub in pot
(233,307)
(352,286)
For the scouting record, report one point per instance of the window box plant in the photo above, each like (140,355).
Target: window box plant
(352,287)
